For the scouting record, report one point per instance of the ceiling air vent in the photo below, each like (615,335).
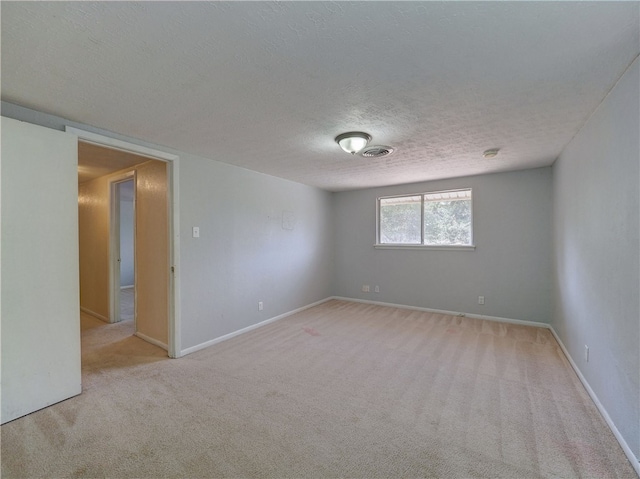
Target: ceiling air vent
(376,151)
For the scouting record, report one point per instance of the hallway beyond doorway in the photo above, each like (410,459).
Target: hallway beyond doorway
(127,304)
(112,345)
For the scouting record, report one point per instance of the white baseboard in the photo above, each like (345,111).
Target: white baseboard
(442,311)
(206,344)
(94,314)
(605,415)
(128,286)
(148,339)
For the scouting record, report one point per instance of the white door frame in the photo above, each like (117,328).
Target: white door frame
(173,161)
(114,243)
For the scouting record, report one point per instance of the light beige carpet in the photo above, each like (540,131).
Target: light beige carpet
(339,390)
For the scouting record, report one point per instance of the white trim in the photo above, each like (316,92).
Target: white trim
(94,314)
(175,338)
(175,318)
(635,462)
(498,319)
(206,344)
(146,338)
(423,199)
(129,286)
(101,140)
(426,247)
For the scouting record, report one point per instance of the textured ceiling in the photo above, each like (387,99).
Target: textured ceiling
(267,86)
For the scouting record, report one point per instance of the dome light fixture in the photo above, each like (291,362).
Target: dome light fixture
(353,141)
(492,153)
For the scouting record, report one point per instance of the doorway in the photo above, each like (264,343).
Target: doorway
(139,193)
(123,208)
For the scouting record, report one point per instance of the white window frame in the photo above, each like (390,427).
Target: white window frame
(379,245)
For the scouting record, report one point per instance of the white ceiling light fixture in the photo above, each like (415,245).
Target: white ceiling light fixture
(353,141)
(492,153)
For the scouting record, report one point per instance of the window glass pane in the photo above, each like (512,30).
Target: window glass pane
(400,220)
(447,222)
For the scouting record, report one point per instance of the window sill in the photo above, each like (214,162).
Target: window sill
(425,247)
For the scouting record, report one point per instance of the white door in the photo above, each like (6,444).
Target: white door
(39,288)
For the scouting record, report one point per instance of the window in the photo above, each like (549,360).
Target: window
(439,218)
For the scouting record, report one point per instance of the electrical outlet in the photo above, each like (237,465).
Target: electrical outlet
(365,288)
(260,306)
(586,353)
(480,299)
(377,289)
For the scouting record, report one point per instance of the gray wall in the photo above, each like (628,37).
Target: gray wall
(511,265)
(244,254)
(597,248)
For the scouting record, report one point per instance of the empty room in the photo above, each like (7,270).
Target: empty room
(320,239)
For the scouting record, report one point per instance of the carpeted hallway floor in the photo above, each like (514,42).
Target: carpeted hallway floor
(127,304)
(339,390)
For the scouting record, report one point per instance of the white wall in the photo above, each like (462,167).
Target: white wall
(243,255)
(511,265)
(597,249)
